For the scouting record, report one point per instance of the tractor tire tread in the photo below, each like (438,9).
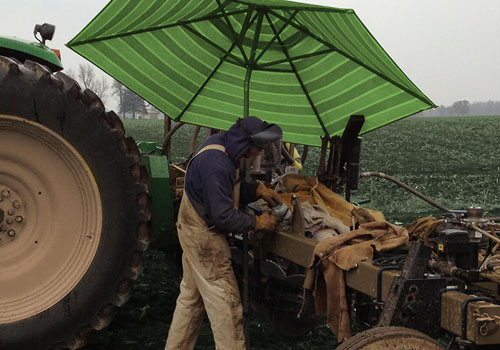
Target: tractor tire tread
(364,338)
(31,74)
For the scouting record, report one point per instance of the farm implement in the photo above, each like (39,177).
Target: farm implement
(79,201)
(437,290)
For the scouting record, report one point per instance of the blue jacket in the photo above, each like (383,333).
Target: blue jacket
(210,179)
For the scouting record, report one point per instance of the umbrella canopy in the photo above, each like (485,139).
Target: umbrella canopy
(307,68)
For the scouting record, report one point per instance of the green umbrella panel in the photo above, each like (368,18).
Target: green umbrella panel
(307,68)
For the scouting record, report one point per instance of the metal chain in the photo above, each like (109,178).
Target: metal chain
(482,317)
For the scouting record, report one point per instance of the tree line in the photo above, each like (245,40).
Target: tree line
(130,105)
(464,108)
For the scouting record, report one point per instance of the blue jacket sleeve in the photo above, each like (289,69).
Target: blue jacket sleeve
(248,193)
(218,198)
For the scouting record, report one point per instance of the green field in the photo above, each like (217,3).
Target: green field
(453,160)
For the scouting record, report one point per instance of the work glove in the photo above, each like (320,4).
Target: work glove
(266,222)
(267,194)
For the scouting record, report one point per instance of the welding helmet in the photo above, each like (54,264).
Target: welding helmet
(269,134)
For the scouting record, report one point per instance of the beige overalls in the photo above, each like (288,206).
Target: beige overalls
(208,283)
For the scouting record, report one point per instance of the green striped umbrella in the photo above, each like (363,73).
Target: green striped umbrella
(307,68)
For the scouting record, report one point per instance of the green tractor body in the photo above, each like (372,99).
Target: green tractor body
(163,218)
(24,50)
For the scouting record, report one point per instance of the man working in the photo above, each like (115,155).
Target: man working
(208,211)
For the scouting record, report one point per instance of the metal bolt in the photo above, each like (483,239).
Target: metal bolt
(16,204)
(10,211)
(11,233)
(5,193)
(9,221)
(19,219)
(3,228)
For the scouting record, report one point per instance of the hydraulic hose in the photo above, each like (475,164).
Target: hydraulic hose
(406,187)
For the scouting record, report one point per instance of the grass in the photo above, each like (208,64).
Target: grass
(453,160)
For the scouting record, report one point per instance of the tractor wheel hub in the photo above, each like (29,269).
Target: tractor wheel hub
(52,218)
(12,214)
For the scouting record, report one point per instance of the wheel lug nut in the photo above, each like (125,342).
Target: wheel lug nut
(19,219)
(5,193)
(3,228)
(9,221)
(16,204)
(11,233)
(10,211)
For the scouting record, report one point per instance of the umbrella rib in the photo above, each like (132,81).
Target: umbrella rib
(246,24)
(312,8)
(230,26)
(256,38)
(250,65)
(197,93)
(299,79)
(264,50)
(204,38)
(140,31)
(345,54)
(295,58)
(279,70)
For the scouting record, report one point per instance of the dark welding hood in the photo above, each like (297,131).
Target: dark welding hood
(265,137)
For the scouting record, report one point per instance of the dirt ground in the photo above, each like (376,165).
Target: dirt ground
(143,323)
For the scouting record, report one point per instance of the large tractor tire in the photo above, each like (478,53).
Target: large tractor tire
(73,210)
(390,338)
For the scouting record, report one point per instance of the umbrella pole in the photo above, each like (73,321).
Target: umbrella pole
(246,329)
(167,126)
(246,323)
(246,93)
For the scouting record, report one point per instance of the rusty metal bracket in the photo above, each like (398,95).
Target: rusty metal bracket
(414,268)
(379,279)
(418,305)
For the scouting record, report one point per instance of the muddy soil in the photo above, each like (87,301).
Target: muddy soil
(142,324)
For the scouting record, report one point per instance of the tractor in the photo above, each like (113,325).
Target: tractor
(74,209)
(80,203)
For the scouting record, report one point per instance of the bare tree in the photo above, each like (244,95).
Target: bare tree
(128,102)
(88,79)
(119,92)
(70,73)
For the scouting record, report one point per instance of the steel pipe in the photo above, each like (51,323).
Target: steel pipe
(406,187)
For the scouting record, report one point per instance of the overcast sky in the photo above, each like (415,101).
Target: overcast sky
(448,48)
